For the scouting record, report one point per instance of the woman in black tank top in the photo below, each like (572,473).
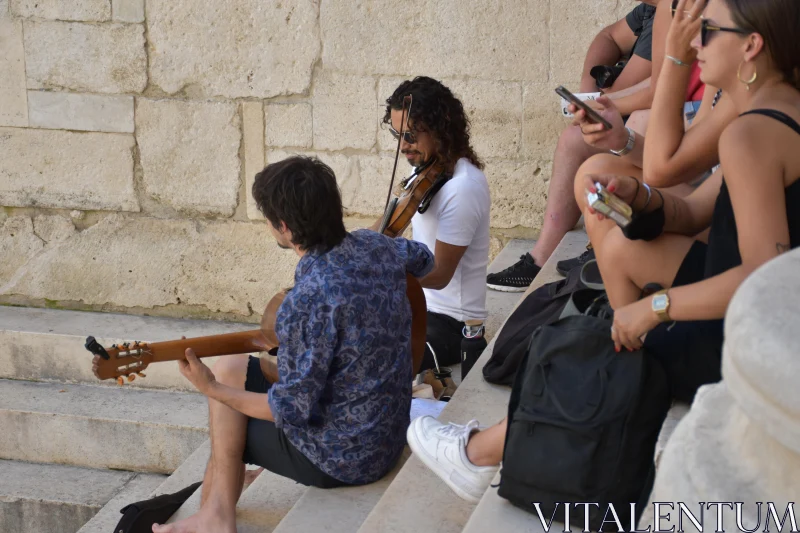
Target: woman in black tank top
(750,51)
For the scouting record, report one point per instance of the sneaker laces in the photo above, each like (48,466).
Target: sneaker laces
(525,261)
(452,430)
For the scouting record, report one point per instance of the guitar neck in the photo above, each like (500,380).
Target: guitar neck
(225,344)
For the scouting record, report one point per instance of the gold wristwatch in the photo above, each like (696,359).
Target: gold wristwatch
(660,304)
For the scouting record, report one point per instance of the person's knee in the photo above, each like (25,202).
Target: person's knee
(614,248)
(595,165)
(570,140)
(231,370)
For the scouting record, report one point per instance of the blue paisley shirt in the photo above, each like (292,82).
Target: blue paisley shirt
(344,394)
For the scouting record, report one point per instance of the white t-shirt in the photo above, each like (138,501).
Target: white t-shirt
(459,215)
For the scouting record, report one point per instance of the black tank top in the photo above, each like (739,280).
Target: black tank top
(723,241)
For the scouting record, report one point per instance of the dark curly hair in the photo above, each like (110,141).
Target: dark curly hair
(302,192)
(436,108)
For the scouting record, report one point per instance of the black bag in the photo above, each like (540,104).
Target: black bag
(139,517)
(583,421)
(545,305)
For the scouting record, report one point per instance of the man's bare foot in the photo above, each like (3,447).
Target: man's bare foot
(251,475)
(202,522)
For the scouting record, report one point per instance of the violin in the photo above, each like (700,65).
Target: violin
(129,359)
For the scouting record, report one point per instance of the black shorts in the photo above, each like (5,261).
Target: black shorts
(444,335)
(268,446)
(690,351)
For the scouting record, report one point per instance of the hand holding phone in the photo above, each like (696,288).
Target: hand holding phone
(591,115)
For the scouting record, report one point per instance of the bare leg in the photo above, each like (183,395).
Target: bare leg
(485,448)
(224,477)
(625,265)
(562,213)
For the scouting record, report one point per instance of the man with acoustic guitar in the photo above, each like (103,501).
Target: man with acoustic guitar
(454,219)
(337,411)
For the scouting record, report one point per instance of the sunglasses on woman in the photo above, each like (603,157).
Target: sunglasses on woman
(706,27)
(408,136)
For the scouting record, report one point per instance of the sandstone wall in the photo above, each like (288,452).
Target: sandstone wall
(130,130)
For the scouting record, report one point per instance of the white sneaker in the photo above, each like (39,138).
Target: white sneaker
(443,449)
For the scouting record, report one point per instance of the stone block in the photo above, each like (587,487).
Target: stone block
(3,8)
(254,156)
(495,110)
(519,193)
(386,87)
(234,48)
(288,125)
(542,121)
(107,58)
(74,10)
(343,116)
(759,360)
(127,10)
(222,267)
(190,154)
(85,112)
(62,169)
(344,167)
(573,26)
(14,111)
(18,245)
(53,229)
(365,193)
(485,40)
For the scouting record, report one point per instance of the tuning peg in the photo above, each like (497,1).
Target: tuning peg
(125,345)
(114,346)
(131,377)
(120,381)
(141,374)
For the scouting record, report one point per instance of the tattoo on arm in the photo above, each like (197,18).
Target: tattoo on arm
(782,248)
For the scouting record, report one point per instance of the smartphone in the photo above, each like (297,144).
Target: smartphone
(609,205)
(591,115)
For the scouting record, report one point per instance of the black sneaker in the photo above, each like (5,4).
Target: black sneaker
(515,278)
(563,267)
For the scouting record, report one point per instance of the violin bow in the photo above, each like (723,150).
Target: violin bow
(405,113)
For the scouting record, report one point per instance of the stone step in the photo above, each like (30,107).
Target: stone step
(499,303)
(190,472)
(261,507)
(341,510)
(48,498)
(139,488)
(417,498)
(47,344)
(100,427)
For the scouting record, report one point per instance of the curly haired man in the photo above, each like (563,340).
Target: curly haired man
(456,223)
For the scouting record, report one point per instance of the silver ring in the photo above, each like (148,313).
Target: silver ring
(690,16)
(612,329)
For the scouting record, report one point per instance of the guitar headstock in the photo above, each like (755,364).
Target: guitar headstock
(126,360)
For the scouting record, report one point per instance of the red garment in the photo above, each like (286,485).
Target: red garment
(696,88)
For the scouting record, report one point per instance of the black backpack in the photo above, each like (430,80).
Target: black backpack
(543,306)
(583,420)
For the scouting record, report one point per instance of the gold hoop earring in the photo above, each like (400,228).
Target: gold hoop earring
(747,83)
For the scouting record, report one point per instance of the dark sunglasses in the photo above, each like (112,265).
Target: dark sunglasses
(408,136)
(706,27)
